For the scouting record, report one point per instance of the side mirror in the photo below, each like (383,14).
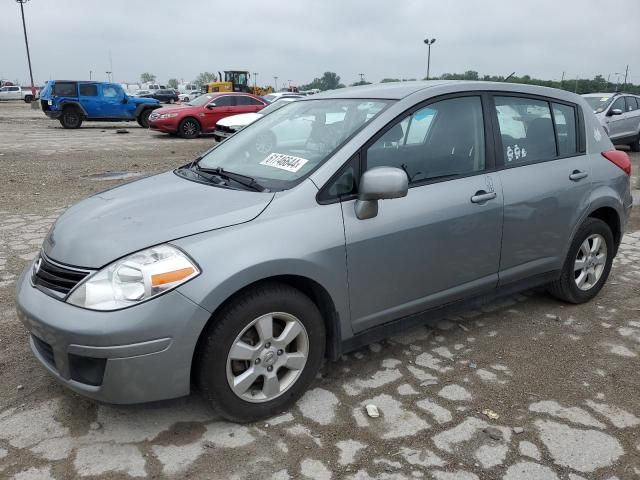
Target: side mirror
(615,111)
(379,183)
(211,106)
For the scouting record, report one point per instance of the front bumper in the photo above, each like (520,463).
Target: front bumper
(138,354)
(166,126)
(222,133)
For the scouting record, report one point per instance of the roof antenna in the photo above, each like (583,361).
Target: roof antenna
(511,75)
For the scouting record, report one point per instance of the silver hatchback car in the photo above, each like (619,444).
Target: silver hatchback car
(619,115)
(327,224)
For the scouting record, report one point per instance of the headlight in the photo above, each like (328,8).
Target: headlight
(168,115)
(134,279)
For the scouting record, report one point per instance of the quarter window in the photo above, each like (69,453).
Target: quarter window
(64,89)
(441,140)
(526,130)
(565,120)
(88,90)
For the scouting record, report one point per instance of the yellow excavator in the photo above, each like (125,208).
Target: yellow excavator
(235,81)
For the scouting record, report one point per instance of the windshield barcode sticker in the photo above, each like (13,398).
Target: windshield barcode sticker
(284,162)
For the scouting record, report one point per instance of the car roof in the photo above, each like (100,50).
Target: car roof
(400,90)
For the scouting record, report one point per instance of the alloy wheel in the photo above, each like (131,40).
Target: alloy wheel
(267,357)
(189,128)
(590,261)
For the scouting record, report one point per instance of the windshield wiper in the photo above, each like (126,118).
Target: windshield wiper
(245,180)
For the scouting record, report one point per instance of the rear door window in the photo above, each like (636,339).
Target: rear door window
(65,89)
(244,100)
(632,104)
(88,90)
(526,130)
(566,131)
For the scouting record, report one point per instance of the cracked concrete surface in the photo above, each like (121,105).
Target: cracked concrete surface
(563,379)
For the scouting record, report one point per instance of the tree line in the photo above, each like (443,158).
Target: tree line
(331,81)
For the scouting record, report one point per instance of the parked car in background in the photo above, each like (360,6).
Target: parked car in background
(272,97)
(73,102)
(163,96)
(142,93)
(188,96)
(200,115)
(230,125)
(384,206)
(619,115)
(15,92)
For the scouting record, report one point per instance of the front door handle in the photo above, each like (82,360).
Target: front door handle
(481,196)
(577,175)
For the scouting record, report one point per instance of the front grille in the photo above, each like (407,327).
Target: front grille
(56,277)
(45,350)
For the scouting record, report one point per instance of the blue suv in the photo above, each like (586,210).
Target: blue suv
(73,102)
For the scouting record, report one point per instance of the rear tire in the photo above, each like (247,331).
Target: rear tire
(189,128)
(279,361)
(587,265)
(28,98)
(143,118)
(171,100)
(635,146)
(71,118)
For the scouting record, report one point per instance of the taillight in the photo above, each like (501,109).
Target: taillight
(620,159)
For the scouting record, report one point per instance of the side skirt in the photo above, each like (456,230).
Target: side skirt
(381,332)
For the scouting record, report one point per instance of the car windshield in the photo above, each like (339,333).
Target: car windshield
(599,104)
(202,100)
(277,105)
(291,142)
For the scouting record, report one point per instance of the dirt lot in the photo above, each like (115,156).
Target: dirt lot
(563,380)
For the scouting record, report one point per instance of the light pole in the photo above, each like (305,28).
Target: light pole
(429,43)
(255,81)
(275,79)
(90,72)
(26,42)
(108,75)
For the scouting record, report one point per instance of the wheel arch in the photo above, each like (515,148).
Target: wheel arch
(72,104)
(317,293)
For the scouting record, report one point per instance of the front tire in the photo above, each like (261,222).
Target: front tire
(189,128)
(71,118)
(143,118)
(587,265)
(261,352)
(635,146)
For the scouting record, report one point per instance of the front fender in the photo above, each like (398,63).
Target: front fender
(143,106)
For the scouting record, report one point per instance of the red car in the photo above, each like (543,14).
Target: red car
(201,114)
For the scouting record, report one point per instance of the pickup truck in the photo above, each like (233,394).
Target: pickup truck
(14,92)
(72,102)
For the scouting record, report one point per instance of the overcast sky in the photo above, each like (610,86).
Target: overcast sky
(299,39)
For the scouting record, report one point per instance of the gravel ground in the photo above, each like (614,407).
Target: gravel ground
(526,388)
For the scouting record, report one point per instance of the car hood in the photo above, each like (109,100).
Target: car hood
(176,108)
(139,100)
(240,120)
(144,213)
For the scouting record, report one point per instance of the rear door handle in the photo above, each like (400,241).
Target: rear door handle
(577,175)
(482,196)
